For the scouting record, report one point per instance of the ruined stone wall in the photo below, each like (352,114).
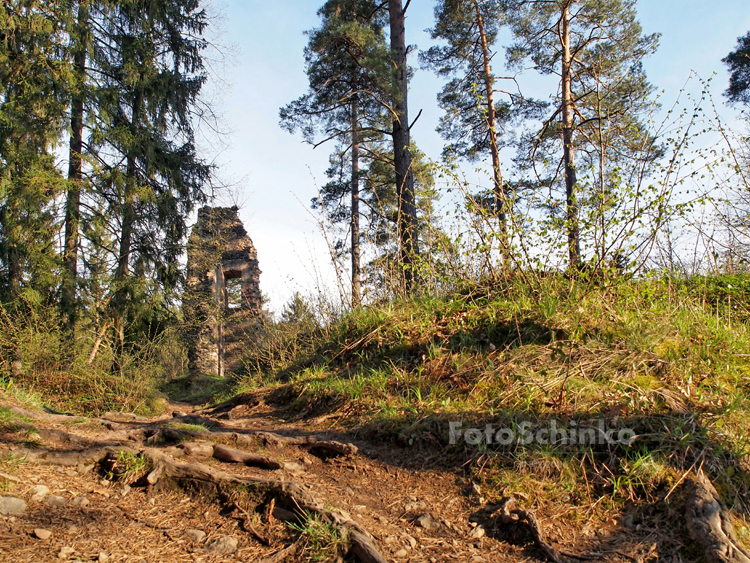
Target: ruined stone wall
(219,249)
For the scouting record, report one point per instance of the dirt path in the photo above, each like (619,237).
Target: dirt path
(85,501)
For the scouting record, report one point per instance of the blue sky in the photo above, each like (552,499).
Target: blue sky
(274,174)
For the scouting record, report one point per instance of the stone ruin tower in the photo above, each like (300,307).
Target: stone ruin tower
(217,318)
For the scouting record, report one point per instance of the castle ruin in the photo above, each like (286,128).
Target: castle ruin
(223,299)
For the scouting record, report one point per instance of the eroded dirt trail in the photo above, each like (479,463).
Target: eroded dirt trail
(85,500)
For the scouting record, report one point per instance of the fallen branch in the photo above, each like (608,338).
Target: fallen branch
(98,342)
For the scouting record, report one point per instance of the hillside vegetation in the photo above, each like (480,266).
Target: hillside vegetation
(666,359)
(660,364)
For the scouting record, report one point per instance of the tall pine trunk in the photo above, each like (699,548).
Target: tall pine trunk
(356,273)
(407,209)
(571,197)
(497,176)
(75,174)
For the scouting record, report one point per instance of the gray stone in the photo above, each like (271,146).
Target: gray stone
(223,546)
(38,493)
(56,501)
(195,536)
(81,501)
(427,522)
(42,534)
(12,506)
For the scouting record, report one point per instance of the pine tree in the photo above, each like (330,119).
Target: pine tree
(346,65)
(382,269)
(473,121)
(402,159)
(596,48)
(738,62)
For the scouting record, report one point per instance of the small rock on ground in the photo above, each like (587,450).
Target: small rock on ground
(426,521)
(11,478)
(11,506)
(38,493)
(42,534)
(477,533)
(65,553)
(223,546)
(81,501)
(195,536)
(55,500)
(401,554)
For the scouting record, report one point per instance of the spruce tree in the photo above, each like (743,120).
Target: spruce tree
(33,86)
(79,34)
(149,74)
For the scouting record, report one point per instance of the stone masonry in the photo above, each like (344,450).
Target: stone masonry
(219,250)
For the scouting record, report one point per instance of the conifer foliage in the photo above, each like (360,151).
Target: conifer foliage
(115,85)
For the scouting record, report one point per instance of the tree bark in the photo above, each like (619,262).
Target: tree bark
(571,197)
(128,219)
(75,174)
(489,84)
(407,209)
(356,273)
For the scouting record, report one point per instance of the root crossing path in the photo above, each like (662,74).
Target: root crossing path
(236,483)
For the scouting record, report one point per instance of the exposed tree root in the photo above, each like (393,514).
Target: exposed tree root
(293,495)
(230,455)
(281,555)
(94,454)
(289,500)
(519,517)
(710,523)
(311,442)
